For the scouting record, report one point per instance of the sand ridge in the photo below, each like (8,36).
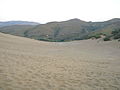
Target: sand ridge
(27,64)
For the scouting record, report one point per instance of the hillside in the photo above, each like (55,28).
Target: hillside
(18,30)
(10,23)
(59,31)
(74,29)
(27,64)
(108,27)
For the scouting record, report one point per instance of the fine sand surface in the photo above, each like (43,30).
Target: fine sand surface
(27,64)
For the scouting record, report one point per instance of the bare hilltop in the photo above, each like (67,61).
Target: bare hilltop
(28,64)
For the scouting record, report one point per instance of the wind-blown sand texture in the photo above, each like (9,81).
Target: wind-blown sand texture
(27,64)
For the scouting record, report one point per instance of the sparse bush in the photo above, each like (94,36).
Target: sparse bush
(107,38)
(116,31)
(116,34)
(97,36)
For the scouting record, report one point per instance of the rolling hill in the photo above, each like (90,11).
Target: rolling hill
(17,30)
(74,29)
(27,64)
(10,23)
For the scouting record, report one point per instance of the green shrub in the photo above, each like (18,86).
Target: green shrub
(97,36)
(107,38)
(117,36)
(115,32)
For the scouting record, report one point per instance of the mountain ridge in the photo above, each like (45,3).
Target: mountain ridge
(73,29)
(10,23)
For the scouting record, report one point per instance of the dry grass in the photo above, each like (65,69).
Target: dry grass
(27,64)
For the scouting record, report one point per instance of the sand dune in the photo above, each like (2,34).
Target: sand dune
(27,64)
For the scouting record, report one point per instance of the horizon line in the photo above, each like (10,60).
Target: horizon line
(56,20)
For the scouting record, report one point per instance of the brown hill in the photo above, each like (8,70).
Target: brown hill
(10,23)
(18,30)
(73,29)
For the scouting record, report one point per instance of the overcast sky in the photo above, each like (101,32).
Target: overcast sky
(59,10)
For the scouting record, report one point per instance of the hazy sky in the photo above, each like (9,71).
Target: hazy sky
(59,10)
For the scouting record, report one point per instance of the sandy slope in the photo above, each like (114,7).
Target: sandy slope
(27,64)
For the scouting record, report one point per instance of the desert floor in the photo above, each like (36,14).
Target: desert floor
(27,64)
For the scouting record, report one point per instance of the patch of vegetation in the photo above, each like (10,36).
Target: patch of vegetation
(107,38)
(114,34)
(25,33)
(50,39)
(56,31)
(96,36)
